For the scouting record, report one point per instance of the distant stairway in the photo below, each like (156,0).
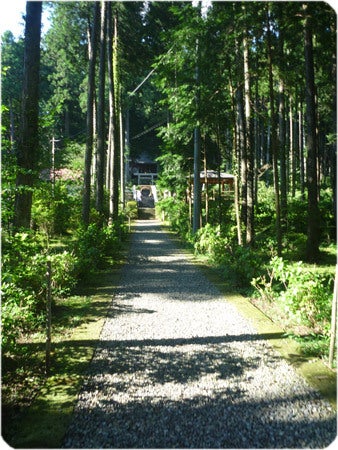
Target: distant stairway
(146,202)
(146,213)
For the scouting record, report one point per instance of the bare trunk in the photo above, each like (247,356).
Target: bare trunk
(274,144)
(241,154)
(90,118)
(101,151)
(312,248)
(117,135)
(29,142)
(282,154)
(249,148)
(111,143)
(197,154)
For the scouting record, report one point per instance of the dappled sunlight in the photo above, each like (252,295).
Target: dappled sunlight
(198,381)
(177,366)
(167,259)
(154,241)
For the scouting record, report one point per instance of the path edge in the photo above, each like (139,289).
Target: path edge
(318,375)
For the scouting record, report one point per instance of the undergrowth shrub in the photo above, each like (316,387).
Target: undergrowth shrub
(131,210)
(24,282)
(177,213)
(208,240)
(239,264)
(304,294)
(95,246)
(56,208)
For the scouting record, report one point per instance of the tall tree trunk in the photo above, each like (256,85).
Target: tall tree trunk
(282,153)
(282,123)
(333,164)
(293,146)
(122,171)
(67,121)
(114,119)
(117,136)
(236,158)
(301,151)
(90,117)
(205,168)
(333,145)
(241,147)
(274,143)
(101,129)
(112,131)
(27,154)
(312,246)
(241,154)
(249,147)
(11,124)
(197,153)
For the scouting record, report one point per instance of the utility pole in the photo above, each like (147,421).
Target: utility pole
(53,162)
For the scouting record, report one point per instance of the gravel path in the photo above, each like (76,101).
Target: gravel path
(178,367)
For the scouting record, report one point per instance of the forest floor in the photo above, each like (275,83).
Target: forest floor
(176,348)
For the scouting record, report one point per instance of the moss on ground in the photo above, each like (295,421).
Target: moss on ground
(314,370)
(318,374)
(44,423)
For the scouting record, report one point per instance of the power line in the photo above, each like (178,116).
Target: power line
(142,82)
(149,129)
(150,73)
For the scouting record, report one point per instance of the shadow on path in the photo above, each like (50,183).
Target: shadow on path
(178,367)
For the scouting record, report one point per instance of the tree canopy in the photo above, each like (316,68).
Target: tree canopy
(236,104)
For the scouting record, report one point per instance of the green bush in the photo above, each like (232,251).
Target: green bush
(304,294)
(177,213)
(208,241)
(96,245)
(239,264)
(24,282)
(17,313)
(131,209)
(265,210)
(64,274)
(56,209)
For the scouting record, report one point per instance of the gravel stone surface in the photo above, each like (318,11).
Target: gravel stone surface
(177,366)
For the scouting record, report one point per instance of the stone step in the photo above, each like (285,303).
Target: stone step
(146,213)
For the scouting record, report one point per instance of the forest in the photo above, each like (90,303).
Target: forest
(242,88)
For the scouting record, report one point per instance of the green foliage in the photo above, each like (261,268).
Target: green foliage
(43,211)
(8,177)
(173,175)
(96,246)
(131,209)
(208,240)
(240,264)
(176,212)
(265,210)
(314,344)
(56,208)
(303,293)
(297,215)
(237,263)
(24,282)
(11,83)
